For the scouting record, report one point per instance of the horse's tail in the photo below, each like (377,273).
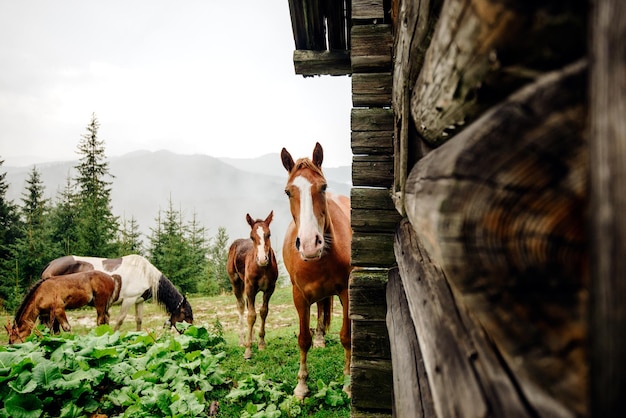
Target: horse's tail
(117,279)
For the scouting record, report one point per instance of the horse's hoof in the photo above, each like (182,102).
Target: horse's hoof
(247,354)
(262,346)
(319,343)
(301,391)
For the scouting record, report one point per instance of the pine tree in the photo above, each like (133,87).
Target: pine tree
(63,219)
(97,227)
(10,232)
(170,250)
(129,241)
(218,256)
(198,248)
(35,247)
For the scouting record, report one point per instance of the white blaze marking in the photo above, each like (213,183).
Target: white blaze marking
(308,222)
(260,252)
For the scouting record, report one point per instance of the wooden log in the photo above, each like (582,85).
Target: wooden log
(482,50)
(411,391)
(373,90)
(501,207)
(307,23)
(372,142)
(608,204)
(416,23)
(372,171)
(373,250)
(375,382)
(371,120)
(368,10)
(370,340)
(466,374)
(311,63)
(371,48)
(367,294)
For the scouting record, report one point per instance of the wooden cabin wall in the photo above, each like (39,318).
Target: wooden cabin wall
(373,215)
(490,169)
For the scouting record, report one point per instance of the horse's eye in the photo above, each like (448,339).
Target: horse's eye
(324,188)
(287,193)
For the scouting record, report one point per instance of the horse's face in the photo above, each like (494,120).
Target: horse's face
(260,235)
(14,333)
(306,189)
(183,313)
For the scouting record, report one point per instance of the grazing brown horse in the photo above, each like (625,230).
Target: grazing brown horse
(48,299)
(252,268)
(141,280)
(316,253)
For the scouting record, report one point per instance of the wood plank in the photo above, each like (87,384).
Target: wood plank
(368,10)
(372,171)
(373,210)
(411,391)
(373,250)
(372,142)
(483,50)
(367,294)
(367,120)
(465,372)
(311,63)
(371,48)
(375,382)
(370,340)
(371,89)
(502,207)
(607,204)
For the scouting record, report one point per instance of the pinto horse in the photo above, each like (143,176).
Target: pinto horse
(48,299)
(316,253)
(140,281)
(252,268)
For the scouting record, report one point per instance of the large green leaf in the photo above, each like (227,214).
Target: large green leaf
(23,406)
(47,374)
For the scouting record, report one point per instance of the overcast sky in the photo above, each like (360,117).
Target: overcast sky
(191,76)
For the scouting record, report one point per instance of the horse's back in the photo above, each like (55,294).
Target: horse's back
(237,254)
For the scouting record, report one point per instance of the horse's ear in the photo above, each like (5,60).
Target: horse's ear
(269,218)
(287,160)
(318,155)
(249,219)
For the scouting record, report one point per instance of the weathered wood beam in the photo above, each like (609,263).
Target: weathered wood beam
(501,207)
(608,206)
(311,63)
(371,90)
(415,24)
(371,48)
(372,210)
(466,375)
(368,10)
(483,50)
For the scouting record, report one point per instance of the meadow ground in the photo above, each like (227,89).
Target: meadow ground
(279,362)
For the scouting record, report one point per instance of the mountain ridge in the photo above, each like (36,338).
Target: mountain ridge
(219,191)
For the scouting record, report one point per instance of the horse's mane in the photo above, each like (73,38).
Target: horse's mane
(27,299)
(168,296)
(147,269)
(306,163)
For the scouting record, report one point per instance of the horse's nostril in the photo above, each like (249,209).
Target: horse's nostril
(318,240)
(298,243)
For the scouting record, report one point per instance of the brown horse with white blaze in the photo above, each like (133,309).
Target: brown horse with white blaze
(252,268)
(48,299)
(316,253)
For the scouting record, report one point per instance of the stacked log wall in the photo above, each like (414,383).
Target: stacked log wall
(374,217)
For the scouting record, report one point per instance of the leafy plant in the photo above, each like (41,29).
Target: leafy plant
(135,374)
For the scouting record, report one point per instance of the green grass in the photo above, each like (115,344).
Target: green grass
(279,362)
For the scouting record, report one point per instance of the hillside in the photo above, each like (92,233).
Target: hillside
(219,191)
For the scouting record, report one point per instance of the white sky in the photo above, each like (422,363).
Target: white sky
(191,76)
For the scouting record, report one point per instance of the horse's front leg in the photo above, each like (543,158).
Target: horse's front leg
(304,342)
(264,311)
(323,320)
(251,296)
(139,314)
(60,316)
(126,304)
(237,285)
